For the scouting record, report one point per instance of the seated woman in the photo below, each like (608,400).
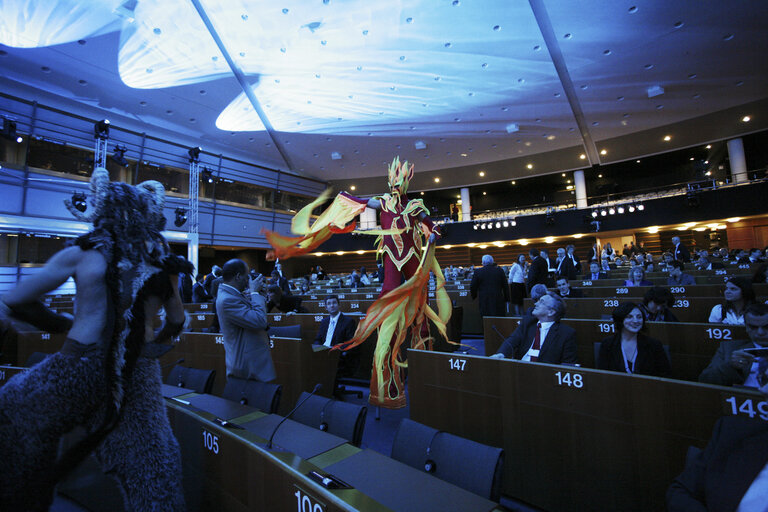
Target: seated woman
(738,294)
(630,351)
(656,304)
(637,277)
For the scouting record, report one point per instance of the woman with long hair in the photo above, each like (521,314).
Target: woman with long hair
(738,294)
(630,351)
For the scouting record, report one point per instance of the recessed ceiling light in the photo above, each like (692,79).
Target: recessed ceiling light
(484,193)
(709,146)
(691,159)
(421,193)
(667,138)
(603,152)
(481,173)
(637,161)
(463,154)
(530,166)
(352,187)
(437,180)
(599,175)
(583,156)
(514,182)
(746,119)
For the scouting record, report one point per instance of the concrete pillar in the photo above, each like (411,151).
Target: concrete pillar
(368,219)
(465,205)
(581,189)
(738,161)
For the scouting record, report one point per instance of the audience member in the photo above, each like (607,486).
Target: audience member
(198,291)
(538,271)
(288,304)
(337,328)
(595,273)
(680,251)
(365,280)
(608,252)
(629,350)
(545,341)
(215,272)
(594,253)
(676,275)
(738,294)
(637,277)
(185,287)
(565,291)
(657,303)
(244,324)
(321,275)
(731,365)
(490,284)
(517,285)
(761,274)
(280,281)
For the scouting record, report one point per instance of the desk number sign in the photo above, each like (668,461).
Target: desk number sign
(740,406)
(306,502)
(569,380)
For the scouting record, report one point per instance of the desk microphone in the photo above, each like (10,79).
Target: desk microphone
(172,364)
(317,388)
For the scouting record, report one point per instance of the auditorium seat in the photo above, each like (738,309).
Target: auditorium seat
(473,466)
(285,331)
(264,396)
(201,381)
(341,419)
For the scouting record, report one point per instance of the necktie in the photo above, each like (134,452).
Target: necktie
(537,342)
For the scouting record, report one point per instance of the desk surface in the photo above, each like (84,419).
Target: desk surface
(402,487)
(304,441)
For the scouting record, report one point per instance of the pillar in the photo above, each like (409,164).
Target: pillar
(465,205)
(738,161)
(581,189)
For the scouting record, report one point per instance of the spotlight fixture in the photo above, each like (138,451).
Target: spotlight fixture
(206,175)
(631,208)
(101,129)
(498,225)
(640,207)
(594,214)
(475,226)
(9,131)
(482,226)
(692,199)
(181,217)
(603,212)
(514,223)
(611,210)
(620,209)
(505,223)
(194,154)
(79,201)
(119,155)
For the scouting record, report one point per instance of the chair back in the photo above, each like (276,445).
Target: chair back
(264,396)
(35,358)
(338,418)
(201,381)
(285,331)
(468,464)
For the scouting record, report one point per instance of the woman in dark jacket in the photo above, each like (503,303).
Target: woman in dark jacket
(628,350)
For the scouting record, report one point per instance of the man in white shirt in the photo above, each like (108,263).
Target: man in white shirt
(337,328)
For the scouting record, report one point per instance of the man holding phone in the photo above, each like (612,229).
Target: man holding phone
(243,317)
(738,362)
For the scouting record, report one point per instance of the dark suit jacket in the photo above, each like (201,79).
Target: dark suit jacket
(594,255)
(490,283)
(185,287)
(651,358)
(720,371)
(558,347)
(600,275)
(344,331)
(537,273)
(681,253)
(575,293)
(718,478)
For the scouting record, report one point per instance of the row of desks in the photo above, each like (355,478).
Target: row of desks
(575,439)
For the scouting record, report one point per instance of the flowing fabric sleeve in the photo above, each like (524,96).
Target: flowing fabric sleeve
(337,218)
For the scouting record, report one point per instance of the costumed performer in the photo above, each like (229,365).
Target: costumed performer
(402,308)
(106,377)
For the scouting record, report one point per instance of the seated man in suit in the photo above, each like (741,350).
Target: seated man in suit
(288,304)
(545,341)
(731,365)
(595,273)
(732,471)
(338,328)
(676,275)
(565,291)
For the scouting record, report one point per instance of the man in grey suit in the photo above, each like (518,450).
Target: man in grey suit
(243,322)
(545,341)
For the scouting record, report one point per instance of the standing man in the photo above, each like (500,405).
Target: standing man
(337,328)
(537,273)
(680,252)
(243,319)
(491,284)
(545,341)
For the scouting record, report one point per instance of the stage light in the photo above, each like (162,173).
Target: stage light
(9,131)
(19,139)
(611,210)
(620,209)
(514,223)
(482,226)
(594,213)
(475,227)
(505,223)
(603,212)
(206,175)
(79,201)
(631,208)
(194,154)
(181,217)
(101,129)
(640,207)
(119,155)
(498,225)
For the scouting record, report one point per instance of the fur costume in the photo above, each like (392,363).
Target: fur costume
(106,387)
